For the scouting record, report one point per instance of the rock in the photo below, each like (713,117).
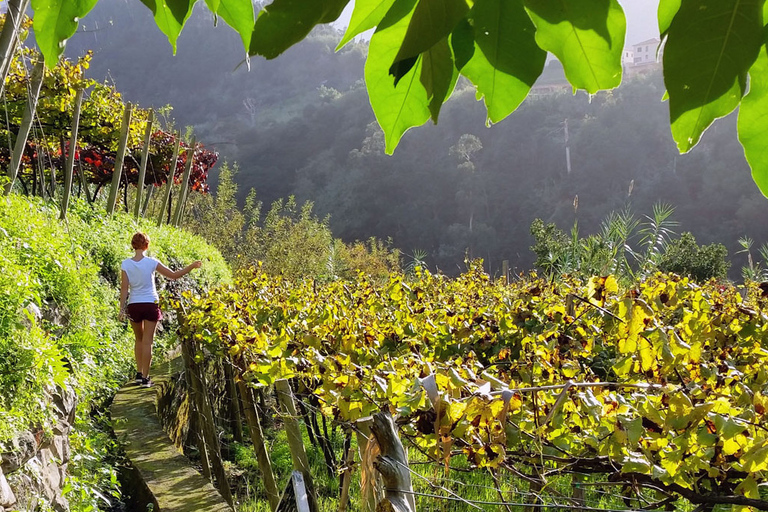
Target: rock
(7,498)
(60,448)
(24,448)
(31,315)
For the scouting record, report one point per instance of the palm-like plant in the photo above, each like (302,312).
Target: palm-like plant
(655,233)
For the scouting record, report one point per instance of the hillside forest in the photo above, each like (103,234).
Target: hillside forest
(302,126)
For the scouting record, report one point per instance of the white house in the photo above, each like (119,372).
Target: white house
(645,51)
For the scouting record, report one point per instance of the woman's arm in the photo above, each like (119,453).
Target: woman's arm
(170,274)
(123,294)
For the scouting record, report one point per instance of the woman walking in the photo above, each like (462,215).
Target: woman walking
(137,277)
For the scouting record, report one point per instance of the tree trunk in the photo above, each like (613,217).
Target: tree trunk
(392,464)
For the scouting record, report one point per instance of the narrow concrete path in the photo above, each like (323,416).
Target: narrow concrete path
(174,484)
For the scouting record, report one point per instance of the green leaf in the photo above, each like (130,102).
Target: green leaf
(462,44)
(238,14)
(402,106)
(438,76)
(506,60)
(170,16)
(666,13)
(366,15)
(432,21)
(710,47)
(587,36)
(55,21)
(753,122)
(284,23)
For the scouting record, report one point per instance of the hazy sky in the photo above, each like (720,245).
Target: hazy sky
(641,19)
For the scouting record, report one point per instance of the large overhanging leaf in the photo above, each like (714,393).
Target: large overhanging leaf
(170,16)
(506,60)
(666,12)
(438,76)
(238,14)
(284,23)
(366,15)
(432,21)
(55,21)
(710,47)
(753,119)
(405,105)
(587,36)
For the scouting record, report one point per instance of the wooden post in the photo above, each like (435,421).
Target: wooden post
(38,72)
(293,432)
(70,163)
(392,464)
(211,437)
(184,184)
(148,197)
(118,172)
(194,405)
(578,491)
(169,182)
(235,418)
(143,165)
(505,270)
(346,477)
(259,445)
(363,432)
(9,37)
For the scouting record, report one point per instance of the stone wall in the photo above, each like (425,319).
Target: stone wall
(35,467)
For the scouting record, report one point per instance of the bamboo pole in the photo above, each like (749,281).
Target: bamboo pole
(169,181)
(26,123)
(295,441)
(363,433)
(10,36)
(118,172)
(259,445)
(143,165)
(184,184)
(70,164)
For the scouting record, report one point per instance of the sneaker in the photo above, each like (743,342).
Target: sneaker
(146,383)
(139,378)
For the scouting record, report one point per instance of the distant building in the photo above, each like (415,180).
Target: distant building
(645,52)
(638,58)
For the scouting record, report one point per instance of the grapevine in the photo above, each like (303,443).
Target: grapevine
(664,384)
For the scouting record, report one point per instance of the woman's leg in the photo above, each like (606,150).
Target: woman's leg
(138,331)
(146,346)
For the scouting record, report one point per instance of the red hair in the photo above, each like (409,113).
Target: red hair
(140,241)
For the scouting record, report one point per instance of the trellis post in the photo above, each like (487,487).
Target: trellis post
(169,181)
(38,72)
(9,36)
(143,165)
(184,184)
(70,164)
(119,158)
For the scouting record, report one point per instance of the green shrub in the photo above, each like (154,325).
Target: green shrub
(69,273)
(686,258)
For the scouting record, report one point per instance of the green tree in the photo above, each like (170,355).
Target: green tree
(700,262)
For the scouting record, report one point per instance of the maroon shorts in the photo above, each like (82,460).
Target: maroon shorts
(140,311)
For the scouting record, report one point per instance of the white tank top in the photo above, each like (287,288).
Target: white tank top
(141,279)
